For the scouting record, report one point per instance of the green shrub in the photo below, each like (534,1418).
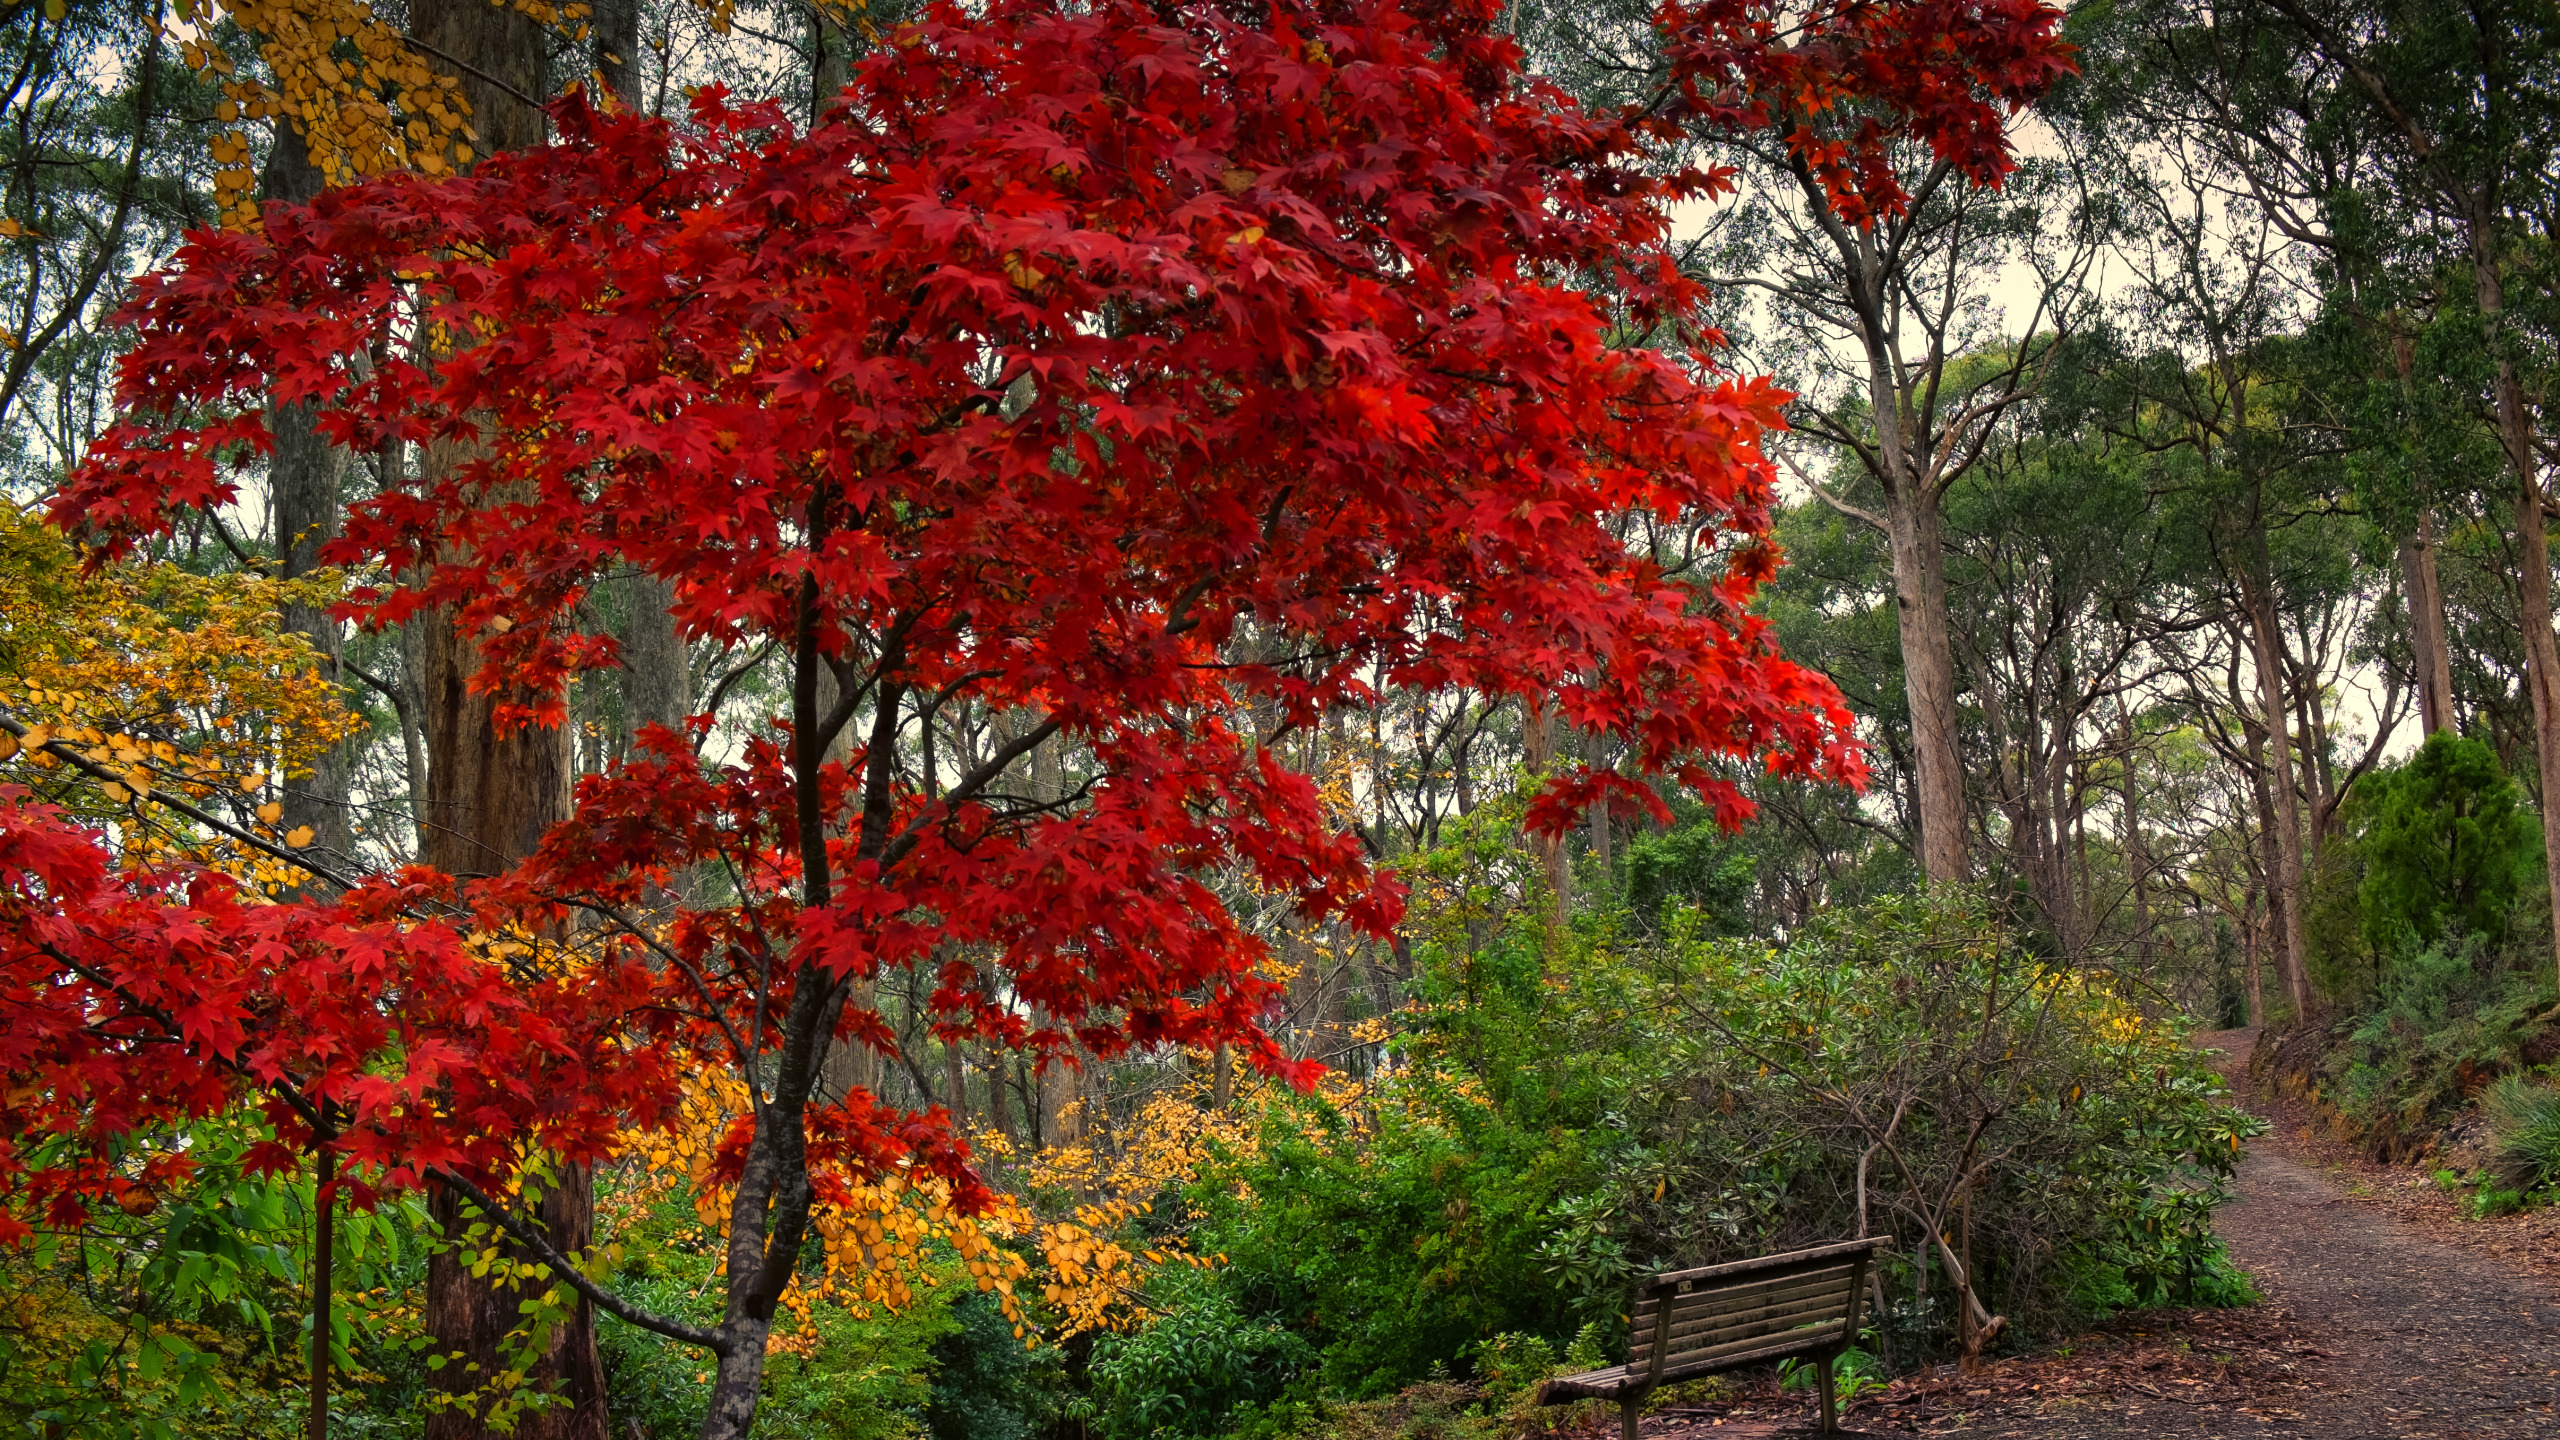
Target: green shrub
(1510,1363)
(2438,848)
(1187,1372)
(1854,1373)
(986,1384)
(2447,1014)
(2525,1119)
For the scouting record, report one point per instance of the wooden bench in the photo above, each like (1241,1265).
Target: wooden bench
(1798,1306)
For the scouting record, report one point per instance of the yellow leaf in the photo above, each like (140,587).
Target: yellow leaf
(116,792)
(298,836)
(271,812)
(8,745)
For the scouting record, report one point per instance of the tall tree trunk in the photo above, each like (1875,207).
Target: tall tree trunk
(489,799)
(1928,676)
(831,45)
(1538,749)
(2286,814)
(2137,856)
(614,28)
(2533,555)
(2255,1010)
(2433,657)
(304,476)
(1600,833)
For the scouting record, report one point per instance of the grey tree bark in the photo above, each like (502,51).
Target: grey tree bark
(1538,748)
(2423,594)
(2283,811)
(304,478)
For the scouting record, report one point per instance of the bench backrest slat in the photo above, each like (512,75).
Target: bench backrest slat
(1737,1270)
(1766,1309)
(1695,1320)
(1743,1296)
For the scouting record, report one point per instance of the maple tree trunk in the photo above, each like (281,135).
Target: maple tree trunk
(487,802)
(1928,677)
(303,478)
(1600,836)
(324,1244)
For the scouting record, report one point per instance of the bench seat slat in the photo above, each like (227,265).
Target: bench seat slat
(1752,1352)
(1617,1380)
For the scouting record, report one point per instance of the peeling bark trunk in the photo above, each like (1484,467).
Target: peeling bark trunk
(2424,595)
(2287,812)
(1928,677)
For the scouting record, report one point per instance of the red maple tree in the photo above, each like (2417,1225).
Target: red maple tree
(1843,81)
(1082,341)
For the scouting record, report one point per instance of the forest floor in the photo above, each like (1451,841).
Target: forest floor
(2386,1315)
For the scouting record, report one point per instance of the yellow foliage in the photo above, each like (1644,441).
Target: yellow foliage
(882,1238)
(365,99)
(885,1238)
(166,683)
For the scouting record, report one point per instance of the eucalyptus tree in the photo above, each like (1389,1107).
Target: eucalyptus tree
(1863,253)
(2417,143)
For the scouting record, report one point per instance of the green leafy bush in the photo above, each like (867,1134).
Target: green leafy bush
(1562,1114)
(2437,848)
(1187,1372)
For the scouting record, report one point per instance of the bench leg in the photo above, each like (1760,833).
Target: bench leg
(1830,1400)
(1629,1407)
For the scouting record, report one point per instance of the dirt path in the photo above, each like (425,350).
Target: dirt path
(2395,1333)
(2424,1339)
(2372,1329)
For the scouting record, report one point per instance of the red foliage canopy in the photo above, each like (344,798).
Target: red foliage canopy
(1084,340)
(1842,81)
